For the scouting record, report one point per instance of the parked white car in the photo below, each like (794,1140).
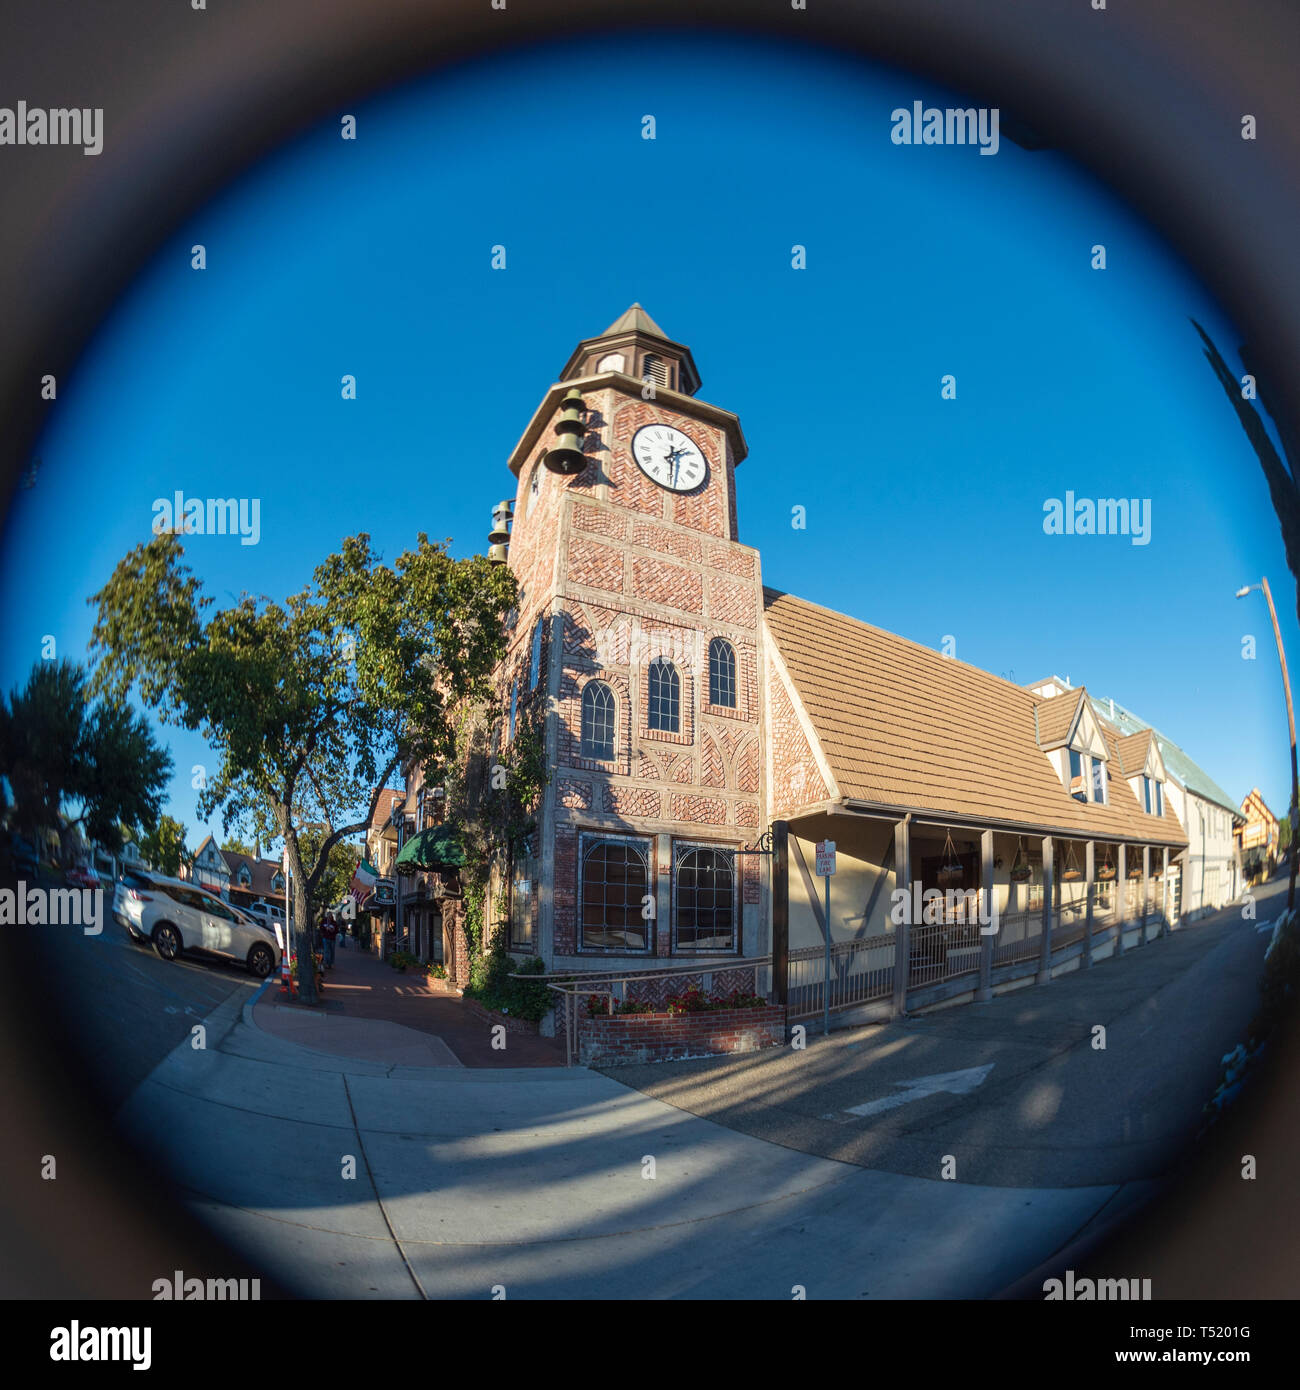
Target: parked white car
(266,913)
(179,917)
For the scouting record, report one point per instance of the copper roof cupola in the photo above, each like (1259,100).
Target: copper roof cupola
(635,345)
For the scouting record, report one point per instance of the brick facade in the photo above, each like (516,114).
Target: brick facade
(629,572)
(635,1039)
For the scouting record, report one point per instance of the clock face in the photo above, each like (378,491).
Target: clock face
(669,457)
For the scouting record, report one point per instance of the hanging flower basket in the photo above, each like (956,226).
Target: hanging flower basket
(1022,875)
(1071,876)
(1106,873)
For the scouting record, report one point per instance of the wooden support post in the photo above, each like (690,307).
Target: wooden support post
(903,931)
(1146,895)
(780,911)
(1090,880)
(1121,897)
(1164,891)
(1044,975)
(988,932)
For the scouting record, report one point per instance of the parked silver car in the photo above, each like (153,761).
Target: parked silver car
(178,917)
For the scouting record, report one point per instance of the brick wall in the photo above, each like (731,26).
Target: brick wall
(633,571)
(635,1039)
(796,780)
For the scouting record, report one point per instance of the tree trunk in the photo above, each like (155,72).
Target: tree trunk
(302,936)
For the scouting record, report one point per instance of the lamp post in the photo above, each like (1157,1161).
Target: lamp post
(1290,716)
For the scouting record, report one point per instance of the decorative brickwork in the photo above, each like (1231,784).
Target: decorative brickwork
(668,584)
(599,520)
(569,714)
(652,537)
(594,565)
(632,801)
(796,780)
(731,601)
(698,810)
(635,1039)
(573,794)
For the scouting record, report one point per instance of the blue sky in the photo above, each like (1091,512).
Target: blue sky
(924,516)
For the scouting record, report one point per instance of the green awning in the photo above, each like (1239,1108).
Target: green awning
(434,848)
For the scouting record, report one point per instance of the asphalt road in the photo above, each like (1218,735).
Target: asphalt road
(1025,1098)
(122,1005)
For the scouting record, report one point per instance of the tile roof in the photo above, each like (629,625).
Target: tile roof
(1133,749)
(388,798)
(903,727)
(261,871)
(1055,715)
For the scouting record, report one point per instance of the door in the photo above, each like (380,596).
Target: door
(218,928)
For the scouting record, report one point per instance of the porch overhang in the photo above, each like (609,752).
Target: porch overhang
(920,815)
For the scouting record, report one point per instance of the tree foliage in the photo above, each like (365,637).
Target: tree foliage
(313,704)
(60,750)
(164,846)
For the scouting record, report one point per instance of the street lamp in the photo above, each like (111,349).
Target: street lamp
(1290,716)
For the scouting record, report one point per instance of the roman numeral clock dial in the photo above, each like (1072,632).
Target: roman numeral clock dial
(670,457)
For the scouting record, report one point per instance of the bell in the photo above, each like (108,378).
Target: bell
(498,554)
(567,456)
(501,516)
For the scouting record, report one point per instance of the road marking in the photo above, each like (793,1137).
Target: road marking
(956,1083)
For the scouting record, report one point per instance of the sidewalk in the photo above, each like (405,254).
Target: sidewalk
(537,1179)
(407,1023)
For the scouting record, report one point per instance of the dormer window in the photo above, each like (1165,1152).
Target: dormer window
(1089,776)
(1153,796)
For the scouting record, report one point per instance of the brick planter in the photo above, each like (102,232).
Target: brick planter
(632,1039)
(512,1025)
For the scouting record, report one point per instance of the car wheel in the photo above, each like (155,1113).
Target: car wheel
(166,941)
(260,961)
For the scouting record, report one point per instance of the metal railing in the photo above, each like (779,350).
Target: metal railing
(860,971)
(619,986)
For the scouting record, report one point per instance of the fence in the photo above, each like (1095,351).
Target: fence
(574,993)
(865,971)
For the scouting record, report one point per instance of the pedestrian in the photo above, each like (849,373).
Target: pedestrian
(329,930)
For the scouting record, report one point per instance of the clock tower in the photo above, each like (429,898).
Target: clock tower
(639,630)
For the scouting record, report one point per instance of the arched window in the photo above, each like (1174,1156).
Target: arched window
(535,659)
(705,886)
(245,878)
(722,673)
(665,691)
(278,882)
(597,721)
(534,488)
(613,889)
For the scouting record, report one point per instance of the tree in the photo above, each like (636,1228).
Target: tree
(1283,484)
(340,864)
(164,846)
(310,706)
(58,747)
(236,846)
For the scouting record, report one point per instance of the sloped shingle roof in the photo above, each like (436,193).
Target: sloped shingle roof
(903,727)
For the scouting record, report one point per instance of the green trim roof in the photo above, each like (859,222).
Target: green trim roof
(1177,763)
